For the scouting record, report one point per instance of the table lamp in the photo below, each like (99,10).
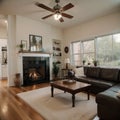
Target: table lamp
(67,61)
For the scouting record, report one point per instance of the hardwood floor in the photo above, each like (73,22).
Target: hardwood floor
(12,107)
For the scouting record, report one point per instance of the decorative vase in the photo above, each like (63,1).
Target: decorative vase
(17,80)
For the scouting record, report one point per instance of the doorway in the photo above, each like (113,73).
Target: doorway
(3,49)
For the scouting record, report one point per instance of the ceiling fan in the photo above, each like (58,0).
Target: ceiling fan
(57,10)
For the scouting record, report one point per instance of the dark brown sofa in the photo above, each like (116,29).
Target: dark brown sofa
(108,104)
(105,82)
(100,78)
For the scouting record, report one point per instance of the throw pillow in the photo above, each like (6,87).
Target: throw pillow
(78,71)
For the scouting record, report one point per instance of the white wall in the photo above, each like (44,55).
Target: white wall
(12,61)
(26,26)
(100,26)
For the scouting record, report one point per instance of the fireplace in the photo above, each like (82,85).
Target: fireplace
(35,70)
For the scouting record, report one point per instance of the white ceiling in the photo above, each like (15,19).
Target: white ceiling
(82,11)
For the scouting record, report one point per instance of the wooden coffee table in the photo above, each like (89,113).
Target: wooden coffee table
(70,87)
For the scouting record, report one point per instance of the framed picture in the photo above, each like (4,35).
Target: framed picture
(24,44)
(35,43)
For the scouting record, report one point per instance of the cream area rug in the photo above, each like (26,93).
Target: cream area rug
(60,107)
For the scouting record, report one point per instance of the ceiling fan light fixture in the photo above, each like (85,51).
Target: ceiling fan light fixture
(57,16)
(57,10)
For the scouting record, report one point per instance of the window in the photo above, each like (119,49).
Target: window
(82,51)
(105,49)
(108,50)
(88,51)
(116,49)
(76,57)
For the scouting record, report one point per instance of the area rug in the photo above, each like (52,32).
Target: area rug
(60,107)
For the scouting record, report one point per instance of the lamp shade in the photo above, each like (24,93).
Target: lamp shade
(67,60)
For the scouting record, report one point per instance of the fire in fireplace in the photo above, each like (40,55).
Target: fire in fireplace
(35,70)
(34,75)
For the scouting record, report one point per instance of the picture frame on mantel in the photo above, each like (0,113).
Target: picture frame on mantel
(35,43)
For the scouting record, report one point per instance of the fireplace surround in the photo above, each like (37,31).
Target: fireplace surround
(35,68)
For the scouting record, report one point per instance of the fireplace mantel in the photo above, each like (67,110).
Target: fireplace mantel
(29,53)
(34,52)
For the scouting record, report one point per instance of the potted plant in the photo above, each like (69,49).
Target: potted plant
(55,69)
(21,46)
(84,61)
(95,62)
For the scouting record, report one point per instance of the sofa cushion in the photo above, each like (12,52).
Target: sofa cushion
(85,70)
(107,98)
(78,71)
(119,76)
(115,88)
(110,74)
(108,105)
(100,83)
(82,79)
(93,72)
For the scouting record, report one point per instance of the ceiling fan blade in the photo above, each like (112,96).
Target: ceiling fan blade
(68,6)
(61,19)
(47,16)
(44,6)
(67,15)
